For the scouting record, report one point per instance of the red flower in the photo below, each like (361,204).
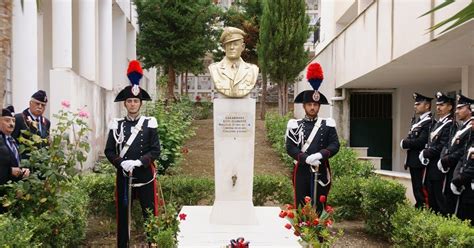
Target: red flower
(288,226)
(307,199)
(291,214)
(198,98)
(296,233)
(329,209)
(315,222)
(322,198)
(282,214)
(289,206)
(184,150)
(182,216)
(328,222)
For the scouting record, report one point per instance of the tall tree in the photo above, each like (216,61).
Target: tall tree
(175,35)
(283,32)
(5,41)
(464,15)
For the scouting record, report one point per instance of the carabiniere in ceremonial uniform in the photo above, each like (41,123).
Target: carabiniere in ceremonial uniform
(311,141)
(132,147)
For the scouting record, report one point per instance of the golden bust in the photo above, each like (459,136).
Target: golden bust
(232,76)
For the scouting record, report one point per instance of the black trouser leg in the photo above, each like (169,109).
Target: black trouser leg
(121,202)
(416,183)
(304,185)
(435,196)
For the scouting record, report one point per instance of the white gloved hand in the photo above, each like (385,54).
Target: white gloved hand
(127,165)
(315,166)
(314,158)
(440,167)
(136,163)
(401,144)
(454,189)
(421,157)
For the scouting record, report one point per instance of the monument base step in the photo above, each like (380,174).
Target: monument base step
(197,231)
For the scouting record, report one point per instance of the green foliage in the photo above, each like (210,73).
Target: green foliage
(464,15)
(346,196)
(379,202)
(282,38)
(101,190)
(162,229)
(174,127)
(345,162)
(276,127)
(422,228)
(16,232)
(275,189)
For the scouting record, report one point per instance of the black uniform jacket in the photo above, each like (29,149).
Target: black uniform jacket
(435,146)
(25,121)
(416,142)
(325,141)
(145,147)
(456,146)
(7,161)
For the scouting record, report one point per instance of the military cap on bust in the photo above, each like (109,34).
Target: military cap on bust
(40,96)
(8,112)
(315,77)
(421,98)
(463,101)
(442,98)
(134,74)
(230,34)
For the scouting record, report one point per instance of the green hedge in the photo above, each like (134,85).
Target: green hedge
(346,197)
(379,202)
(345,163)
(16,232)
(422,228)
(275,125)
(275,189)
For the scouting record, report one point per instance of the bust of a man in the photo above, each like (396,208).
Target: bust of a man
(232,76)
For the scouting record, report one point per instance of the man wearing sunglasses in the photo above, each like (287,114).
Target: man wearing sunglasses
(32,120)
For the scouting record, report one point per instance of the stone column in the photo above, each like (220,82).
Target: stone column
(467,82)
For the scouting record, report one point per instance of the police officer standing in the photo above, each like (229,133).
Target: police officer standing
(462,184)
(32,119)
(132,147)
(416,142)
(429,157)
(455,148)
(311,141)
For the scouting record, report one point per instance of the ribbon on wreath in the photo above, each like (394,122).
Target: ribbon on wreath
(239,243)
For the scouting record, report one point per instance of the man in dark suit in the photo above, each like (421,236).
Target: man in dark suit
(311,141)
(132,147)
(462,184)
(33,121)
(455,148)
(416,142)
(439,137)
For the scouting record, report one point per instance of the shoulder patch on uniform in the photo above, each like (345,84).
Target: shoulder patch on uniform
(113,124)
(152,123)
(292,124)
(330,122)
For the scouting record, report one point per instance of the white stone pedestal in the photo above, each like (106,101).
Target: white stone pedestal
(234,141)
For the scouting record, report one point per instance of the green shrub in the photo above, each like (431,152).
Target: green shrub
(101,191)
(174,127)
(163,229)
(17,232)
(422,228)
(276,127)
(185,190)
(379,202)
(346,197)
(345,163)
(275,189)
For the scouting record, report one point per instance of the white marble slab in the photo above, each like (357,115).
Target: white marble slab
(196,231)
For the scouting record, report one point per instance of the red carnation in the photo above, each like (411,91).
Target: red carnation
(316,222)
(328,222)
(296,233)
(282,214)
(314,72)
(291,214)
(289,206)
(322,198)
(182,216)
(134,66)
(307,199)
(288,226)
(329,209)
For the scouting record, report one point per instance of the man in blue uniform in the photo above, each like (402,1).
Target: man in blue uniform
(462,184)
(416,142)
(132,147)
(455,148)
(439,137)
(311,141)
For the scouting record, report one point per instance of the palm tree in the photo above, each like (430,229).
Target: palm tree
(5,43)
(459,18)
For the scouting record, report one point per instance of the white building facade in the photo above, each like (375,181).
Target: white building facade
(77,51)
(375,54)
